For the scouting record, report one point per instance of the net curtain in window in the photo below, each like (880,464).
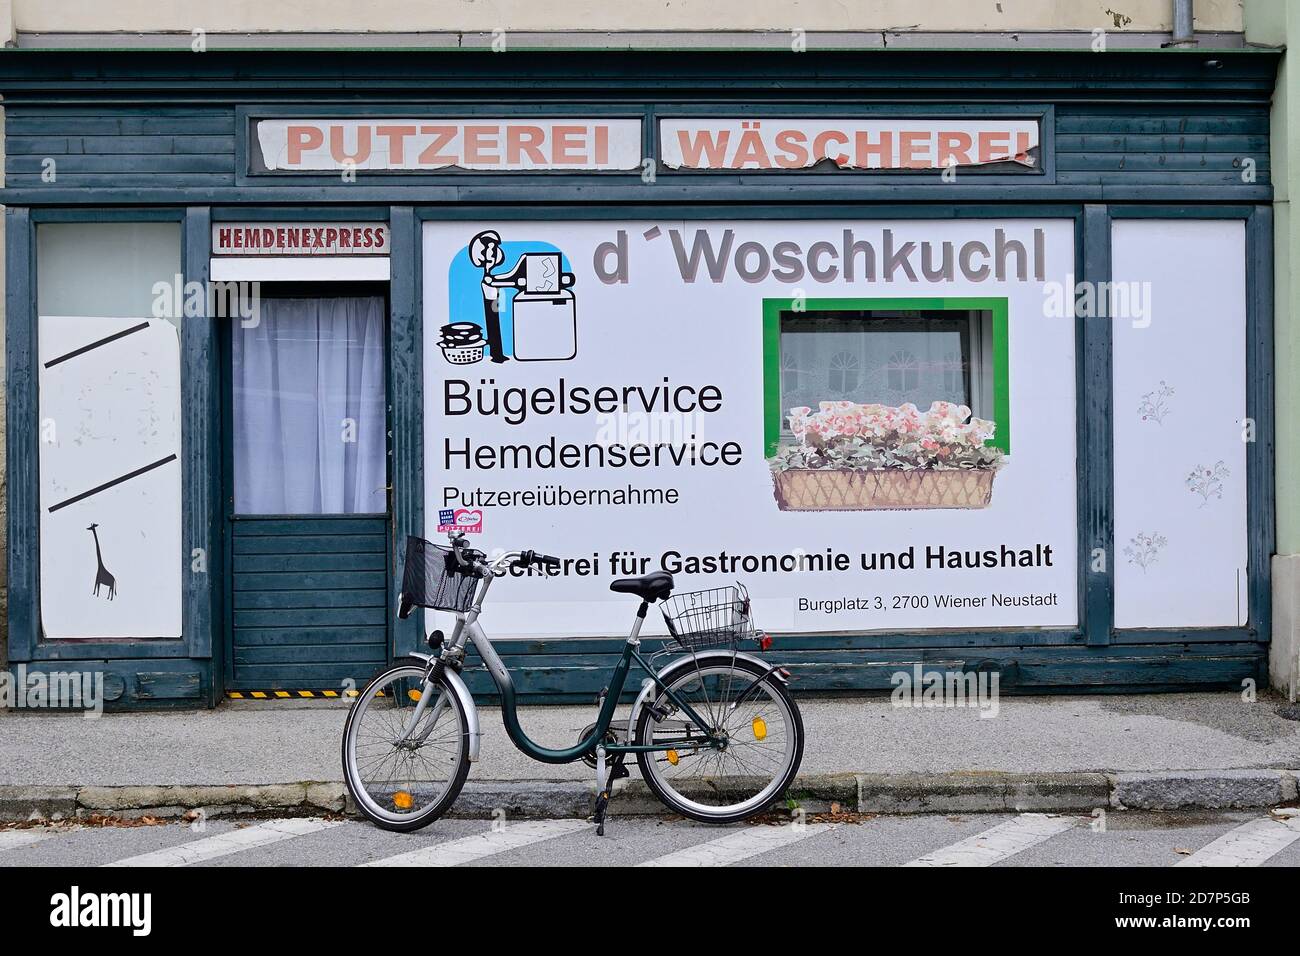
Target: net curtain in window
(309,407)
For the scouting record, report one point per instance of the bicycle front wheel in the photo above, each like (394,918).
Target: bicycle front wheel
(403,772)
(762,740)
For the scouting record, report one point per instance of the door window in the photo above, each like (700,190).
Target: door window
(309,401)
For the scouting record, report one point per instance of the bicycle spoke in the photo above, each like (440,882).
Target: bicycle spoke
(404,778)
(745,765)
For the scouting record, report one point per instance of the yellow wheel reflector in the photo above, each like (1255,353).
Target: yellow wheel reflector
(760,728)
(672,757)
(413,693)
(402,800)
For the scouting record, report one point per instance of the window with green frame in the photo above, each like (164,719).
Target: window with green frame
(887,352)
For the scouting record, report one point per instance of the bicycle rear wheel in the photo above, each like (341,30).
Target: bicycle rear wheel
(404,774)
(763,737)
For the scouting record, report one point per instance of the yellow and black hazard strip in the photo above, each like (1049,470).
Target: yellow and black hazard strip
(288,694)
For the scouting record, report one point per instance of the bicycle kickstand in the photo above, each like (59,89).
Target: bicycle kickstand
(603,787)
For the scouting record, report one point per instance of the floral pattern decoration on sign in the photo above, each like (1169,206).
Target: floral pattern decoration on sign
(1153,407)
(1208,482)
(846,435)
(1144,549)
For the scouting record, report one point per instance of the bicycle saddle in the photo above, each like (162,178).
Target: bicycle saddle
(654,586)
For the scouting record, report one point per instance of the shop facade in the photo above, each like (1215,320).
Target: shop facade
(958,360)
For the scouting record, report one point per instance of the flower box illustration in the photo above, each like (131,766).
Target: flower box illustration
(853,457)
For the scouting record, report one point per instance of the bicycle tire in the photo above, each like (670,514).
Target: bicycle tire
(685,668)
(364,803)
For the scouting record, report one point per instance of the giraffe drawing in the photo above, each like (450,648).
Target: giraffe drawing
(102,575)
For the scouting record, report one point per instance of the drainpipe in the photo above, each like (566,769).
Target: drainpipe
(1184,31)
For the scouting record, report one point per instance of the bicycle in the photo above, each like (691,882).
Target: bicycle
(716,734)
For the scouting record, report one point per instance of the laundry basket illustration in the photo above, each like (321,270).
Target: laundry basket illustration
(461,343)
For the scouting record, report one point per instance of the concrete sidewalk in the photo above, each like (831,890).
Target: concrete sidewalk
(1132,750)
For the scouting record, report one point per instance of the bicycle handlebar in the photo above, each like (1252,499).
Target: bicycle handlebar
(467,557)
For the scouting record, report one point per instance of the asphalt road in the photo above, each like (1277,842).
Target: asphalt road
(1125,838)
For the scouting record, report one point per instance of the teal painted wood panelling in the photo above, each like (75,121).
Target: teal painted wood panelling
(1126,125)
(116,149)
(573,671)
(305,613)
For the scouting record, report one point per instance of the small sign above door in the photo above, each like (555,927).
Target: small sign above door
(300,239)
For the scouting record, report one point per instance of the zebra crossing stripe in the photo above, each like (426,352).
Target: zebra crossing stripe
(511,837)
(13,839)
(741,845)
(1000,842)
(1250,844)
(224,844)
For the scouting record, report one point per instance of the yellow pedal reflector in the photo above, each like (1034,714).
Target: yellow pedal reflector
(413,693)
(760,728)
(672,757)
(402,800)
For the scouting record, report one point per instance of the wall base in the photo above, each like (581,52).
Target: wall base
(1284,649)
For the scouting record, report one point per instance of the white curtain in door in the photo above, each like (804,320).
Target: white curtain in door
(309,408)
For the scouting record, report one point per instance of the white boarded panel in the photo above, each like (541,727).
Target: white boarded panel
(1180,403)
(109,457)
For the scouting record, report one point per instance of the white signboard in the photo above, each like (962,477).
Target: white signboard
(483,144)
(642,395)
(883,144)
(1181,433)
(300,239)
(110,478)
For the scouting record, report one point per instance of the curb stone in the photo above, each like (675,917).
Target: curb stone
(1202,789)
(45,803)
(904,793)
(981,792)
(165,798)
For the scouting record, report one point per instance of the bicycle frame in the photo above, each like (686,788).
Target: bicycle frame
(468,630)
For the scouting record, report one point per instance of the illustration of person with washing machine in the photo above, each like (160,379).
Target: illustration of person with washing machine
(535,294)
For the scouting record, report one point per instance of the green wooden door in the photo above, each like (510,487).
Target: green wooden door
(307,502)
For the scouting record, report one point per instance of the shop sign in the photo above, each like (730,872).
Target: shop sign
(874,144)
(872,424)
(300,239)
(480,144)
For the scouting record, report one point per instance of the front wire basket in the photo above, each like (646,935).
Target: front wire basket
(715,617)
(432,578)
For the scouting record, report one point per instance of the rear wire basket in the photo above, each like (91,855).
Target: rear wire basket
(432,578)
(715,617)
